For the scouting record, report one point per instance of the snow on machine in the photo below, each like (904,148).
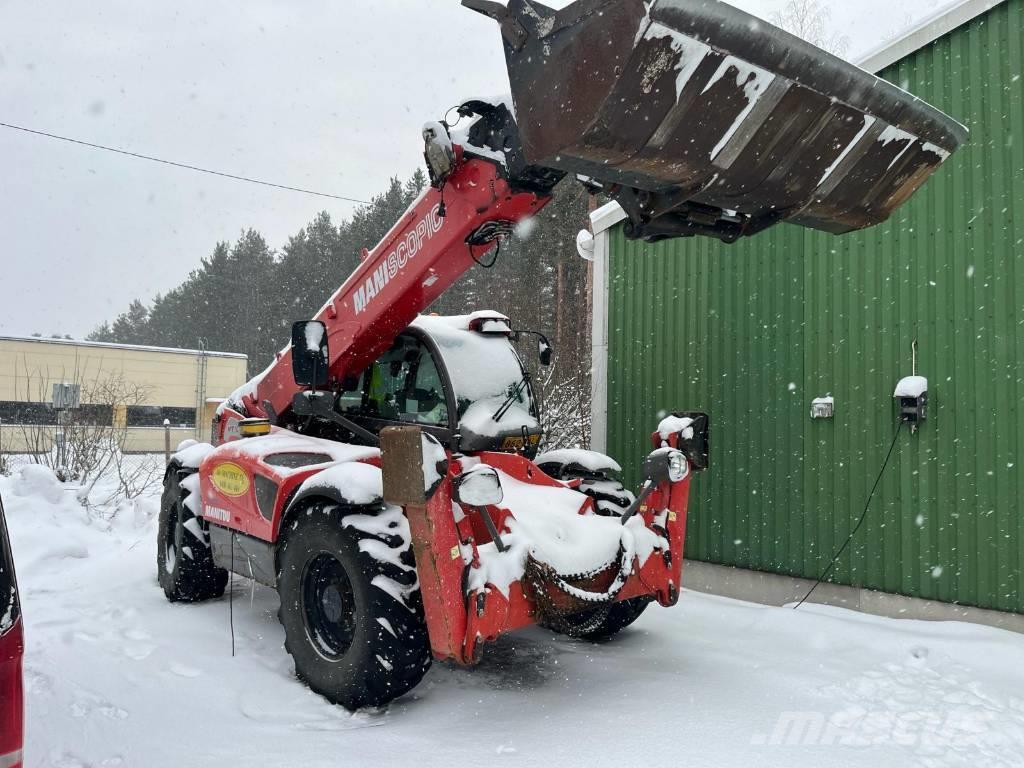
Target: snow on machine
(382,474)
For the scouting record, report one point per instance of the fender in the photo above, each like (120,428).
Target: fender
(332,487)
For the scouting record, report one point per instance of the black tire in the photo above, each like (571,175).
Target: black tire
(350,603)
(184,560)
(611,498)
(603,622)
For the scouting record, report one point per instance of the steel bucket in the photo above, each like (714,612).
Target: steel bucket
(701,119)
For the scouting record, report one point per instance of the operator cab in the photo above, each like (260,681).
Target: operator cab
(459,378)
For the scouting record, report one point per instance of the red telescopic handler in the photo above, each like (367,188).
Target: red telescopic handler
(384,473)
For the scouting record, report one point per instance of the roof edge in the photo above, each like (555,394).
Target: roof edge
(126,347)
(932,28)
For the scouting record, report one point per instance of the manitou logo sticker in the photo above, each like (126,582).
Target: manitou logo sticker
(216,513)
(230,479)
(403,253)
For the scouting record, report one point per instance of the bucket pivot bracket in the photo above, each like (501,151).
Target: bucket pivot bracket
(513,32)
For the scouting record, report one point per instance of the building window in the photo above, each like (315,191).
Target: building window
(14,412)
(154,415)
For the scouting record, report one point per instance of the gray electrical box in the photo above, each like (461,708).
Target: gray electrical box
(823,407)
(66,396)
(912,399)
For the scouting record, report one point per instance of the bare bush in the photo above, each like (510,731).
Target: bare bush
(564,408)
(810,20)
(94,436)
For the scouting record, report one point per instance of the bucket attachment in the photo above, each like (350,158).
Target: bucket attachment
(701,119)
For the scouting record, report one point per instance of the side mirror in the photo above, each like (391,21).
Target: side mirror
(698,448)
(663,465)
(310,357)
(545,350)
(480,487)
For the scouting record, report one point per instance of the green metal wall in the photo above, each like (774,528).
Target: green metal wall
(752,332)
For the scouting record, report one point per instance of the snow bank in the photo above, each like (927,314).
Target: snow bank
(107,658)
(39,481)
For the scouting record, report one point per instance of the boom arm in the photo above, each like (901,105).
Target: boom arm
(423,254)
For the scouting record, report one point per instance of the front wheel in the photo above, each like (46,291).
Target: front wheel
(350,604)
(597,475)
(602,622)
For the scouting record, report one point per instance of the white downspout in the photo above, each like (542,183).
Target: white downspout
(601,220)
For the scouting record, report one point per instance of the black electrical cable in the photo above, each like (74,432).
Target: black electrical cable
(863,517)
(481,262)
(231,596)
(180,165)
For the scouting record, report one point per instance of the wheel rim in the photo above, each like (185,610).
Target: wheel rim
(328,606)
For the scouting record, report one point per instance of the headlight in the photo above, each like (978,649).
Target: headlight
(666,465)
(678,467)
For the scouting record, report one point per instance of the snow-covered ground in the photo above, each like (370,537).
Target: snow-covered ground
(116,676)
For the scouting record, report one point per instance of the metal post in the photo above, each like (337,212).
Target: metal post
(167,442)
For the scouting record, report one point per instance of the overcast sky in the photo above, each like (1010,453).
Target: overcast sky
(324,95)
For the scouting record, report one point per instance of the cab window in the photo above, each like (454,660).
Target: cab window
(404,384)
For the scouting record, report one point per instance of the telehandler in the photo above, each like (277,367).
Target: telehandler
(382,474)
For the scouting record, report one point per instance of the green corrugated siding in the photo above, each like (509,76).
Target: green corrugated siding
(752,332)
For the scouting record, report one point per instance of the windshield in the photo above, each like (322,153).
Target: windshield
(484,370)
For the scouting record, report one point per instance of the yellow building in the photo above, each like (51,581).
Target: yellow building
(132,387)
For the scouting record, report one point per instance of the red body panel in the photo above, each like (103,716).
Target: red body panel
(240,511)
(422,255)
(457,623)
(11,707)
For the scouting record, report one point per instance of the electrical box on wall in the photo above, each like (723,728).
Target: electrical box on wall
(912,399)
(823,407)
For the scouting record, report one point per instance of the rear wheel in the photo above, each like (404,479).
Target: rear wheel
(350,603)
(611,499)
(184,561)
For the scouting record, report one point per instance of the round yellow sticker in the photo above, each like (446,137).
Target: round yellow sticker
(230,479)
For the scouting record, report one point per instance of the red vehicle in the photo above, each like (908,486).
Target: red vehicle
(12,646)
(382,474)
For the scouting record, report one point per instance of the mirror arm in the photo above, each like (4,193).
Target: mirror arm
(492,529)
(646,491)
(317,409)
